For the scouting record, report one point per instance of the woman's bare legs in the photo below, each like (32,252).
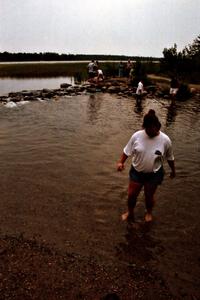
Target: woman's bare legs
(149,191)
(134,189)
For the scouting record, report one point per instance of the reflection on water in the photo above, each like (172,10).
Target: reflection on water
(171,113)
(59,183)
(8,85)
(138,107)
(93,106)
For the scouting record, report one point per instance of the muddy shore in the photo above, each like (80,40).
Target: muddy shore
(32,270)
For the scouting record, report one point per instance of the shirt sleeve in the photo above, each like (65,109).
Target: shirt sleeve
(128,149)
(169,151)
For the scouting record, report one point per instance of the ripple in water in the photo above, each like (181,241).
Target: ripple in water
(59,181)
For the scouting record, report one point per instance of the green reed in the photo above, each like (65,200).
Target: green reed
(41,69)
(52,69)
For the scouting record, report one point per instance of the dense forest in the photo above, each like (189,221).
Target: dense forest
(51,56)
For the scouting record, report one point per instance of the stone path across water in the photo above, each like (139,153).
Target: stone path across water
(118,86)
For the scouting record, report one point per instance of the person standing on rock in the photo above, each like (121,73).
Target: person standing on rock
(91,69)
(121,69)
(149,148)
(128,68)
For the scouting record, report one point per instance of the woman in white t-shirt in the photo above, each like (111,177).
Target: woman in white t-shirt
(148,147)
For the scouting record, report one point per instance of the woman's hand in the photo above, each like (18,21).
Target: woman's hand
(120,166)
(172,167)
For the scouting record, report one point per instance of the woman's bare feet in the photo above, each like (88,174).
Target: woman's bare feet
(148,217)
(127,217)
(124,216)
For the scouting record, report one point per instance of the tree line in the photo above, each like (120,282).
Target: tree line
(184,64)
(52,56)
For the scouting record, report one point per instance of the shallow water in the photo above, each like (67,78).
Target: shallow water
(59,182)
(8,85)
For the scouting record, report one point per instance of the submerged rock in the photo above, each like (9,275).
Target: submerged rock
(64,85)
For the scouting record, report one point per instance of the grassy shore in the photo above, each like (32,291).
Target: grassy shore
(164,82)
(76,69)
(41,69)
(45,69)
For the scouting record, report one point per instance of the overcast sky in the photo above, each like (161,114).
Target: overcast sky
(124,27)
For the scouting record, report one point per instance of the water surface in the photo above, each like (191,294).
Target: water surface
(59,182)
(8,85)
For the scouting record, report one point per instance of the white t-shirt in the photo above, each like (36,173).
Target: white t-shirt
(149,153)
(100,72)
(173,91)
(91,67)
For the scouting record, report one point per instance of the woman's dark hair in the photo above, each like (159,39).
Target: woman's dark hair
(150,119)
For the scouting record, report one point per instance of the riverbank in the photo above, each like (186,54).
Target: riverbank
(41,69)
(31,270)
(165,81)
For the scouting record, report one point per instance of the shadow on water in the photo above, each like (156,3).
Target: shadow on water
(138,106)
(171,114)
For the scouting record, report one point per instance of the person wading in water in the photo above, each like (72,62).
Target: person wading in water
(149,148)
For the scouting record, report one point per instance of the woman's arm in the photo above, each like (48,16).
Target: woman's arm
(120,164)
(172,167)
